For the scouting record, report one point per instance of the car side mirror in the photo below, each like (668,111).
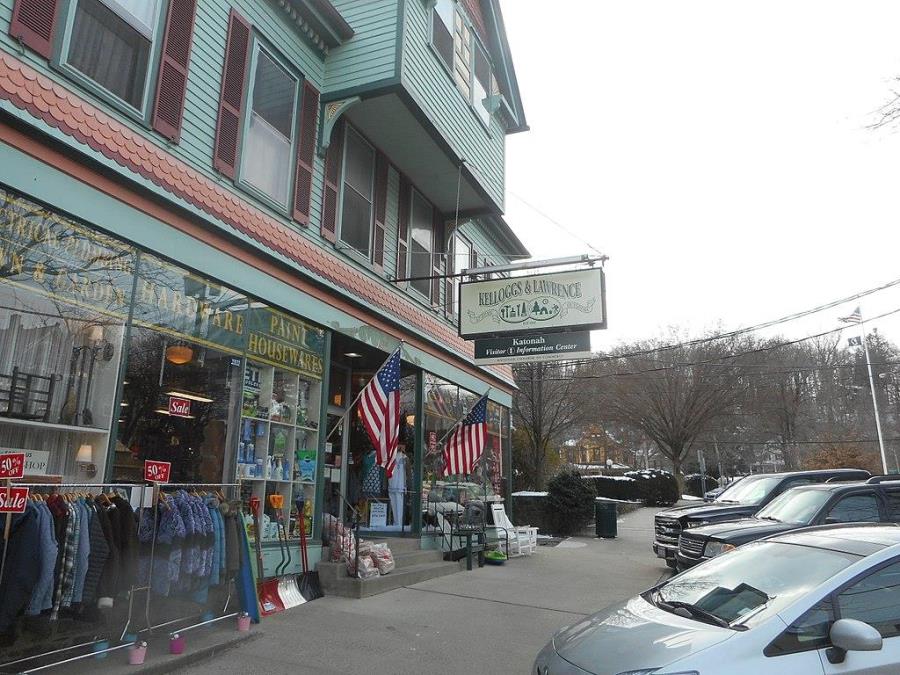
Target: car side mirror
(850,635)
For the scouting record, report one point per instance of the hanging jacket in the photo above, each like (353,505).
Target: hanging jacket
(109,577)
(83,552)
(66,578)
(20,573)
(126,524)
(97,559)
(42,595)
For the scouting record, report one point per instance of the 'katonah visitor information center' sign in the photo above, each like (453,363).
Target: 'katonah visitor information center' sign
(525,348)
(533,304)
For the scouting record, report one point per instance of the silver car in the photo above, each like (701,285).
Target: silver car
(810,602)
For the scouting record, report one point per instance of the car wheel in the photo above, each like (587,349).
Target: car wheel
(671,564)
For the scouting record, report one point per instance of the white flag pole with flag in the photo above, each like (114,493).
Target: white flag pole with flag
(466,441)
(380,400)
(857,318)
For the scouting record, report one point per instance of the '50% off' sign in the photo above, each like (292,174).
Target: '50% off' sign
(157,472)
(12,465)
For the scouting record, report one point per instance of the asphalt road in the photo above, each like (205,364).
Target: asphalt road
(491,620)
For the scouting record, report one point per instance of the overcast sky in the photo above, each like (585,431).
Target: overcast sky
(717,151)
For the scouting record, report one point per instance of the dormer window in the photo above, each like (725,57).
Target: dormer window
(456,43)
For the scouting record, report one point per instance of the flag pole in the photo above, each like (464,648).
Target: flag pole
(865,342)
(355,400)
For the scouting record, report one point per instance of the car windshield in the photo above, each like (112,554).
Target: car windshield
(751,490)
(748,585)
(798,506)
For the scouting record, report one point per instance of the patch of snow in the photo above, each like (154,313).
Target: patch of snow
(625,478)
(691,498)
(527,493)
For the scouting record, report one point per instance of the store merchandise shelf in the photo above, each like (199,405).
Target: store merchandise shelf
(13,421)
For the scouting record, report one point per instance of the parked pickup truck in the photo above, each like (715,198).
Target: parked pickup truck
(738,501)
(874,501)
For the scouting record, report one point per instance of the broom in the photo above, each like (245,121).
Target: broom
(308,582)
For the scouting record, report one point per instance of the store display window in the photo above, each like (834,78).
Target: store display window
(383,502)
(445,405)
(65,293)
(181,391)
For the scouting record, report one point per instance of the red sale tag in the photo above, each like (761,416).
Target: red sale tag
(13,500)
(12,465)
(157,472)
(179,407)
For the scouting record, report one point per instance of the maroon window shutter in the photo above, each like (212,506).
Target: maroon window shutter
(381,190)
(306,152)
(171,83)
(403,230)
(33,23)
(333,160)
(231,99)
(438,258)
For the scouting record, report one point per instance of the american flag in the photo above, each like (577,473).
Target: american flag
(466,444)
(380,407)
(856,317)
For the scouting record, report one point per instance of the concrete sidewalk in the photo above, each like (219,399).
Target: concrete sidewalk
(494,619)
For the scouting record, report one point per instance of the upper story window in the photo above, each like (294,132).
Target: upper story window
(358,193)
(456,43)
(421,244)
(111,44)
(462,258)
(268,146)
(134,54)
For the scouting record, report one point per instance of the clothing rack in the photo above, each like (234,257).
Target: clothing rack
(234,488)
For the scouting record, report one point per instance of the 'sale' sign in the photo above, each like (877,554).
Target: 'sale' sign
(179,407)
(157,472)
(13,500)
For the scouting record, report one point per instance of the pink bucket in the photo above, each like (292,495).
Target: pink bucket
(176,644)
(243,623)
(137,654)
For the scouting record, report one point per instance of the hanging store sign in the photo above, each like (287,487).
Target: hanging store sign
(179,407)
(13,500)
(533,303)
(36,461)
(12,465)
(157,472)
(536,347)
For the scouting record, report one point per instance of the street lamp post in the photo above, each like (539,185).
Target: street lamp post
(856,318)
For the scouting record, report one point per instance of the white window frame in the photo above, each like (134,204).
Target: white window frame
(349,248)
(59,59)
(256,48)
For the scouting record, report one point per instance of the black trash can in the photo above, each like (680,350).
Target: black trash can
(605,516)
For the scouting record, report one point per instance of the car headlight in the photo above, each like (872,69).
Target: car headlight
(714,548)
(690,525)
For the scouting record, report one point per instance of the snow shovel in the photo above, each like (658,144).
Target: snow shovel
(309,585)
(287,584)
(267,589)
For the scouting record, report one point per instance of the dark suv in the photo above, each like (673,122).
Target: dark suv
(738,501)
(875,501)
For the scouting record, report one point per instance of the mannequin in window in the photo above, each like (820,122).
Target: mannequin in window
(397,484)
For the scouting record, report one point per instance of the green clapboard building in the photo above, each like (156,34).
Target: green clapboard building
(218,218)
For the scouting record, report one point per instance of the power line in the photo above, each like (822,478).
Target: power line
(555,222)
(748,329)
(712,361)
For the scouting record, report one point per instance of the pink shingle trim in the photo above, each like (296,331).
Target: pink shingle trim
(30,91)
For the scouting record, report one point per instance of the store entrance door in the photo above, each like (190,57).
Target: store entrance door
(335,459)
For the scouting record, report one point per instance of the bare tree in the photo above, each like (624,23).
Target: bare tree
(671,396)
(544,407)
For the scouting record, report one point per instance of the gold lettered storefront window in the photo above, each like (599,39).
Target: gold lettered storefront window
(65,292)
(278,339)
